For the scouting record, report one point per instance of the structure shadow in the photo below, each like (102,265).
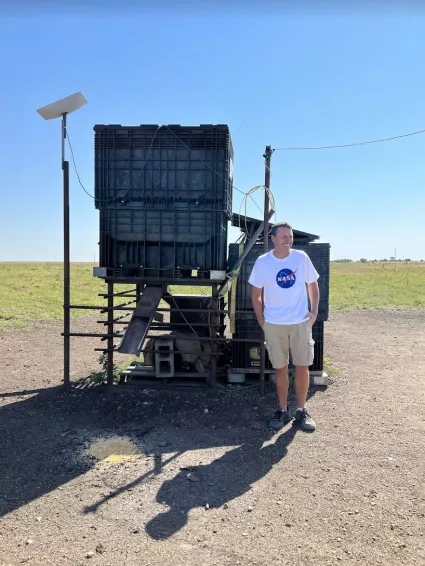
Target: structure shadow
(236,424)
(43,437)
(38,436)
(217,483)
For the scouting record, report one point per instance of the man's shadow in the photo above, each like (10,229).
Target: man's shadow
(219,482)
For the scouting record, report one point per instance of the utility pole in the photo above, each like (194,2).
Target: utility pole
(267,156)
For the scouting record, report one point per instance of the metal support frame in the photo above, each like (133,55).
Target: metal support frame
(110,352)
(118,316)
(216,332)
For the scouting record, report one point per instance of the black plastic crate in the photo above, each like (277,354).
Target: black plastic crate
(318,332)
(134,239)
(198,320)
(246,325)
(319,255)
(164,167)
(246,355)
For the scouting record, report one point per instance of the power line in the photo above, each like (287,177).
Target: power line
(349,144)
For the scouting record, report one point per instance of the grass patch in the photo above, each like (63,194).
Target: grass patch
(371,286)
(33,291)
(100,377)
(330,368)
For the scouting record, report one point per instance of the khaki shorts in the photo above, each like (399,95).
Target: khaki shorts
(295,338)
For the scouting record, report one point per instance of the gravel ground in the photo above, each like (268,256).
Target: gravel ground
(204,481)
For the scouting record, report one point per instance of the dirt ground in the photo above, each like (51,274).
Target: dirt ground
(205,481)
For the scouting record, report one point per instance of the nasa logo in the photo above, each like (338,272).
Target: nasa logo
(286,278)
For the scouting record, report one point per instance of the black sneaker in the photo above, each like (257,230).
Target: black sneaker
(279,420)
(304,420)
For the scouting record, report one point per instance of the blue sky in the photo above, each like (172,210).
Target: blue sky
(293,78)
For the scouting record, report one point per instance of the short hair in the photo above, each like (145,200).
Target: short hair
(276,227)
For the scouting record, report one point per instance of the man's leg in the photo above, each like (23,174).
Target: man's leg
(302,348)
(282,385)
(301,382)
(277,344)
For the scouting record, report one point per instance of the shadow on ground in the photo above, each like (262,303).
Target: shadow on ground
(217,483)
(44,434)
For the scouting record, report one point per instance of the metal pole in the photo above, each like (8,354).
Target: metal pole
(110,354)
(66,263)
(267,156)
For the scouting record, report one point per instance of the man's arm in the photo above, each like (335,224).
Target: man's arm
(257,284)
(313,294)
(258,304)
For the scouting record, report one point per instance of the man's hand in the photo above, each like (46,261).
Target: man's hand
(312,315)
(257,303)
(314,295)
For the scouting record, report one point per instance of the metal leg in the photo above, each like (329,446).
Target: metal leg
(262,365)
(110,372)
(213,333)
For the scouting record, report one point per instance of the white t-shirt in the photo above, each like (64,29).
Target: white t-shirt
(284,282)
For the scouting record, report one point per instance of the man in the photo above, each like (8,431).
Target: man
(280,280)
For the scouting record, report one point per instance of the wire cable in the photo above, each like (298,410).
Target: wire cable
(350,144)
(75,167)
(209,166)
(246,195)
(249,194)
(144,164)
(141,170)
(202,161)
(128,188)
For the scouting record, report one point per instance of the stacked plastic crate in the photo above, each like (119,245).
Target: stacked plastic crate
(165,198)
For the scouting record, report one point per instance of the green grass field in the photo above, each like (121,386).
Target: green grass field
(33,291)
(372,286)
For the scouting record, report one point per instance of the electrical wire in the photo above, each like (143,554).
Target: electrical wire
(350,144)
(253,190)
(246,195)
(249,194)
(75,167)
(129,188)
(140,172)
(209,166)
(144,164)
(338,146)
